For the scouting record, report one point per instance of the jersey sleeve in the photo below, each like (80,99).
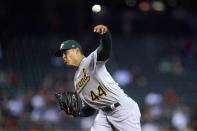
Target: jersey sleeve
(92,60)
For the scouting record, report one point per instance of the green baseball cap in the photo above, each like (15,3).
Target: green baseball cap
(68,44)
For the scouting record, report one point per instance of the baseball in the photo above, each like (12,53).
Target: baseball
(96,8)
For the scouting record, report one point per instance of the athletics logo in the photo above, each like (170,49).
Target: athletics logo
(61,45)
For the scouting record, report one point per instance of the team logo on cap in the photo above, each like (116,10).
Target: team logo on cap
(73,45)
(61,45)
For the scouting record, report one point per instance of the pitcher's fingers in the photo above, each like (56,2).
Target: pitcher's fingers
(102,30)
(105,30)
(95,29)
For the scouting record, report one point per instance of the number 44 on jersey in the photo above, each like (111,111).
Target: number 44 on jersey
(95,95)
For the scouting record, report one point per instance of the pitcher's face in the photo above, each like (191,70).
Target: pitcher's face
(70,57)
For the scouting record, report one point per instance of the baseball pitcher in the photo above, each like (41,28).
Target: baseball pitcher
(95,89)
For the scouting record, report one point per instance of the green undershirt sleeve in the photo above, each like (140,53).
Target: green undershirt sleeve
(104,49)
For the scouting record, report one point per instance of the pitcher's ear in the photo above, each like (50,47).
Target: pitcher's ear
(78,50)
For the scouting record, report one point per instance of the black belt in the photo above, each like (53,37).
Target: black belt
(110,108)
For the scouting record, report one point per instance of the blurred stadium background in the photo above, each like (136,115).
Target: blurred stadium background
(154,59)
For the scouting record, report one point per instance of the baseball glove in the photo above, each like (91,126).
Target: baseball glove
(69,102)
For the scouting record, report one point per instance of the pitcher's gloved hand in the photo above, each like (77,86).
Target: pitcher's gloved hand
(69,102)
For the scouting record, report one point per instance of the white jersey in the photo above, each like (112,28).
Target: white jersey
(95,85)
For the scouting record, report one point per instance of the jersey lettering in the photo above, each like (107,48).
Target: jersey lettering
(96,96)
(83,82)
